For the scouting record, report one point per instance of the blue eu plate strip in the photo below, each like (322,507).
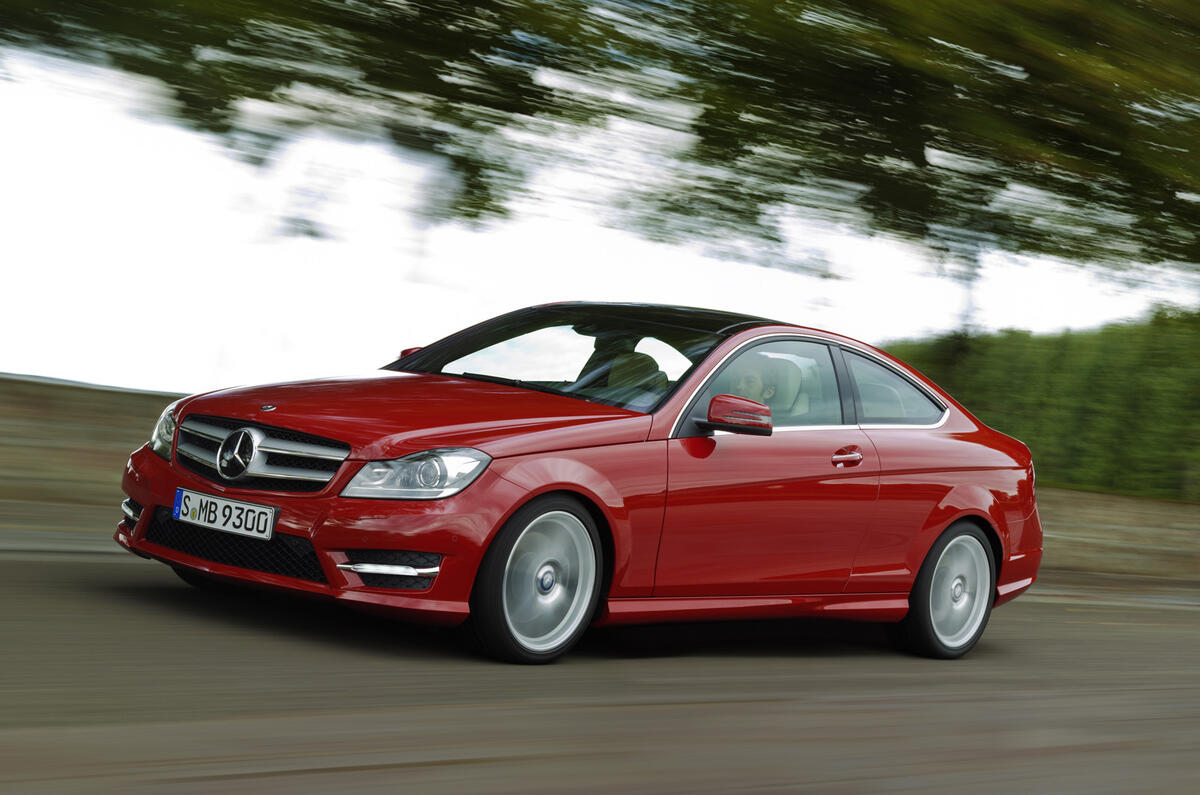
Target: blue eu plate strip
(178,499)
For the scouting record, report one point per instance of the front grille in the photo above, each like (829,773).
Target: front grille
(286,460)
(288,555)
(395,557)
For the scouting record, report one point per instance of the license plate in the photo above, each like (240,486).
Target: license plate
(228,516)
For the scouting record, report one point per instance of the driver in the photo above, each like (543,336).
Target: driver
(753,377)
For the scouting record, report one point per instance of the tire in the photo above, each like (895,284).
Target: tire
(539,582)
(952,597)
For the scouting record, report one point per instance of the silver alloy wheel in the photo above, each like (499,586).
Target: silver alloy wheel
(960,590)
(548,581)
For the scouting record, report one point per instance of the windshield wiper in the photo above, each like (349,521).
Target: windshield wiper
(517,382)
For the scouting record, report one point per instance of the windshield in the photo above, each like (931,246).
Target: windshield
(615,355)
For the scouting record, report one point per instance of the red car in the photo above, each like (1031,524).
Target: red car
(580,463)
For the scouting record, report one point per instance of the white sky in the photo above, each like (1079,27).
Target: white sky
(139,254)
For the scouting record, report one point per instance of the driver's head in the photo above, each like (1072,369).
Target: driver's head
(753,378)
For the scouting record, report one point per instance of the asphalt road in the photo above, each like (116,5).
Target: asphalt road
(117,677)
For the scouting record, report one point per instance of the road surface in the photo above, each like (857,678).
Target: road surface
(117,677)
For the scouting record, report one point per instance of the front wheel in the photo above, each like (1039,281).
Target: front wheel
(539,582)
(952,598)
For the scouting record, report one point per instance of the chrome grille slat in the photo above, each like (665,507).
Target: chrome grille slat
(286,460)
(199,428)
(197,454)
(290,473)
(289,447)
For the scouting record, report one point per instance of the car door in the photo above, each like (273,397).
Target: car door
(778,514)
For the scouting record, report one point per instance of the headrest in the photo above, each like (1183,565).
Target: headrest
(632,369)
(787,378)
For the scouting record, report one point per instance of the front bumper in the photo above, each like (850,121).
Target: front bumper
(458,529)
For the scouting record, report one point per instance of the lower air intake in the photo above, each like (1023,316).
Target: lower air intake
(283,554)
(393,557)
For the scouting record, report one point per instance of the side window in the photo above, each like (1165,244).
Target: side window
(795,379)
(888,399)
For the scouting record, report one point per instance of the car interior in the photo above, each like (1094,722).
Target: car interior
(801,397)
(617,373)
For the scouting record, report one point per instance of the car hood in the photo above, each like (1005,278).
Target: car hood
(389,414)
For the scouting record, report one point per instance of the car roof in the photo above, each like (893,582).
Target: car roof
(712,321)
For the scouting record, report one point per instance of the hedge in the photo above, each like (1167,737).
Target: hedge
(1115,409)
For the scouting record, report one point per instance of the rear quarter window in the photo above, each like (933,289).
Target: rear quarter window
(887,398)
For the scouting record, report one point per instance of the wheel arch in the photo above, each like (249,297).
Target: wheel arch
(622,486)
(983,507)
(595,511)
(938,526)
(989,533)
(603,529)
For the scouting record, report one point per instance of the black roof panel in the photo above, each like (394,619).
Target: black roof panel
(710,321)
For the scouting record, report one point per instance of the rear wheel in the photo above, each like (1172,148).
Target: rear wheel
(539,582)
(951,600)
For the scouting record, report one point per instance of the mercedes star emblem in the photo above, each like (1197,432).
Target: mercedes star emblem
(237,452)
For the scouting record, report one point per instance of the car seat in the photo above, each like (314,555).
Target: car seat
(639,371)
(788,380)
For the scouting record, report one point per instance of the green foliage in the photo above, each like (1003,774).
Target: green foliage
(1116,409)
(1044,126)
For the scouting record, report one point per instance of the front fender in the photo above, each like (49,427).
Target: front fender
(626,483)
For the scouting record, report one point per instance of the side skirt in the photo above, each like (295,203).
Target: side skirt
(849,607)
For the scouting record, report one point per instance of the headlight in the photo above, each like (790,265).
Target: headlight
(429,475)
(164,432)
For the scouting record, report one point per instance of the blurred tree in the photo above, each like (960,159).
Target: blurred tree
(1116,409)
(1051,127)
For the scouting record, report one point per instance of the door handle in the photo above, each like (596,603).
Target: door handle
(847,457)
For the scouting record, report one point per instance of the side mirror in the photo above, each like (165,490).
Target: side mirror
(737,415)
(408,351)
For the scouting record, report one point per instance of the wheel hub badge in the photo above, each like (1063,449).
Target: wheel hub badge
(546,580)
